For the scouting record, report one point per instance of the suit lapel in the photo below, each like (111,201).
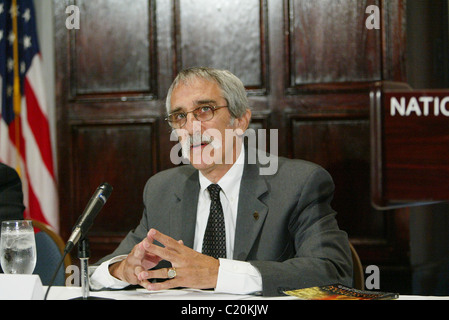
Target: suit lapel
(251,211)
(183,215)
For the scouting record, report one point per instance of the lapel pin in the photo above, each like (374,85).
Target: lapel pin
(256,215)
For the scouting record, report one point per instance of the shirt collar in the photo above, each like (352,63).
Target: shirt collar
(231,179)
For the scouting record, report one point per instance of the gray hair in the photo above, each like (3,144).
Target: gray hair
(231,87)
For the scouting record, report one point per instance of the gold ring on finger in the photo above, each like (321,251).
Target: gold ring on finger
(171,273)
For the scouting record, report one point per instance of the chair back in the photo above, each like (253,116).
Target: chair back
(50,250)
(358,275)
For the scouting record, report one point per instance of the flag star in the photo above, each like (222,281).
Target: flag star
(22,67)
(27,15)
(10,64)
(9,91)
(26,42)
(1,35)
(1,8)
(11,38)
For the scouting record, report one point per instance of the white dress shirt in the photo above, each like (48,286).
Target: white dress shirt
(235,277)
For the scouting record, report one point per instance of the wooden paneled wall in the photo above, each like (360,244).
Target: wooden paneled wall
(308,66)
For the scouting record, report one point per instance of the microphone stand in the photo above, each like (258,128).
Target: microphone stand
(84,255)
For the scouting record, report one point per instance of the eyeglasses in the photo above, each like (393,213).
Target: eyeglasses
(177,120)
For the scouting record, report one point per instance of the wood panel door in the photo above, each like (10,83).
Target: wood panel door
(308,67)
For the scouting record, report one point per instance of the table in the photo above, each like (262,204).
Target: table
(207,304)
(67,293)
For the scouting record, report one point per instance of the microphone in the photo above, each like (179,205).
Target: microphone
(83,225)
(85,221)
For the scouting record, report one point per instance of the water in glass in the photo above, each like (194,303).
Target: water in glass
(17,247)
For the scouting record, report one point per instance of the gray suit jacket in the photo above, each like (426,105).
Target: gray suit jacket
(293,240)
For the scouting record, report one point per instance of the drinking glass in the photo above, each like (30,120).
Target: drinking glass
(17,247)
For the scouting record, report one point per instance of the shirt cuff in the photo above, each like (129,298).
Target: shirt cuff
(100,277)
(238,277)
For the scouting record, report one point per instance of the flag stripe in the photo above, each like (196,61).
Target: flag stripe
(34,207)
(39,177)
(39,126)
(13,137)
(34,76)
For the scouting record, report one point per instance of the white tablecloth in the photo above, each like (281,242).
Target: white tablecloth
(66,293)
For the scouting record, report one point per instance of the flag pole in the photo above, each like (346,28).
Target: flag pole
(17,95)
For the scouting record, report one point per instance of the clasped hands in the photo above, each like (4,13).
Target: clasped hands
(193,269)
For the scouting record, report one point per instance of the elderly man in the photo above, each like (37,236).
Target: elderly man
(217,222)
(11,195)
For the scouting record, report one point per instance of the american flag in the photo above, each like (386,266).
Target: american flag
(25,142)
